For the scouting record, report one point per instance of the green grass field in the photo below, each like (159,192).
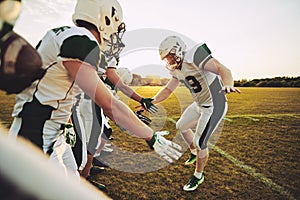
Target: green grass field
(256,157)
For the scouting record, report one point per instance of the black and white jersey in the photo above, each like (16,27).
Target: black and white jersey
(193,75)
(55,89)
(209,106)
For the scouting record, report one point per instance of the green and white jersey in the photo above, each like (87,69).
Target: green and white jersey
(193,75)
(55,89)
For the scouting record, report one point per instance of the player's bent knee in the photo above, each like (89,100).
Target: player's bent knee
(199,143)
(181,127)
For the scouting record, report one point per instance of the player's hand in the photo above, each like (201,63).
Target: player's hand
(167,149)
(142,117)
(69,134)
(148,105)
(228,89)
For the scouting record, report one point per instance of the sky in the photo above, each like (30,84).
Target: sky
(253,38)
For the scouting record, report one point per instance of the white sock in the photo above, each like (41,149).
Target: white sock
(194,151)
(198,174)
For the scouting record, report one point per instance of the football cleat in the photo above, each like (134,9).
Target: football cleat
(191,159)
(97,162)
(96,184)
(193,183)
(107,149)
(96,170)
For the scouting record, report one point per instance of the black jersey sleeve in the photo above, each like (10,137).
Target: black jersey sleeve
(202,55)
(84,49)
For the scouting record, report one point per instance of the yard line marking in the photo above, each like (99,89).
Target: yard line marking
(252,172)
(227,119)
(171,120)
(253,119)
(266,115)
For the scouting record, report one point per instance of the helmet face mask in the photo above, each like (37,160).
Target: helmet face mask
(172,50)
(114,45)
(172,61)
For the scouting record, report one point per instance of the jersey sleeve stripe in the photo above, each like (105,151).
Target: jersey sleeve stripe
(201,54)
(205,61)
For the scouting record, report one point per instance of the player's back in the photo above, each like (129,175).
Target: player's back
(55,88)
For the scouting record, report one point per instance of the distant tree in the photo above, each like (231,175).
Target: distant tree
(296,83)
(284,83)
(237,84)
(274,83)
(269,82)
(262,84)
(265,82)
(249,84)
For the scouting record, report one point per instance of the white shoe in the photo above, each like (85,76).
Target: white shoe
(107,149)
(107,144)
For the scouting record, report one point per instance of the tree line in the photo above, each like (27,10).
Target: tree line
(264,82)
(270,82)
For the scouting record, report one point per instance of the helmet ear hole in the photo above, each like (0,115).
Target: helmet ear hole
(113,11)
(107,21)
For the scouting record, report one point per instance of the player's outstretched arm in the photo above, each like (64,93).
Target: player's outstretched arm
(166,91)
(125,89)
(213,65)
(86,77)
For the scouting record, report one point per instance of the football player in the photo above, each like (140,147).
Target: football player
(20,66)
(73,55)
(92,126)
(87,117)
(199,71)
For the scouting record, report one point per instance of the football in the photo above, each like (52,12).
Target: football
(20,64)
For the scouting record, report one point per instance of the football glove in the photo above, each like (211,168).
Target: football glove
(167,149)
(69,134)
(148,105)
(142,117)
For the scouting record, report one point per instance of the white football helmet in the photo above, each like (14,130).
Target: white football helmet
(125,75)
(107,16)
(172,50)
(9,12)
